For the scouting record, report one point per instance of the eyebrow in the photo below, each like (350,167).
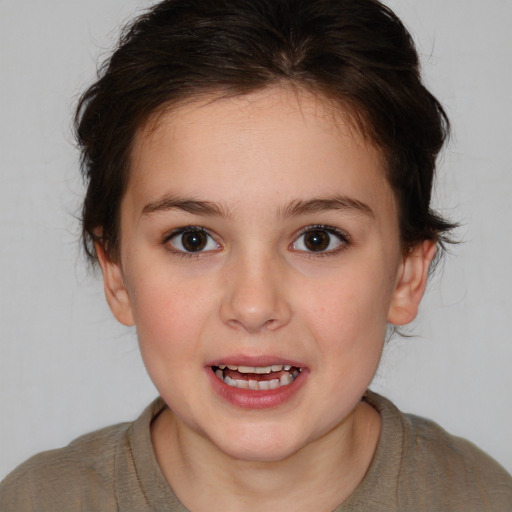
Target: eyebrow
(344,203)
(294,208)
(188,205)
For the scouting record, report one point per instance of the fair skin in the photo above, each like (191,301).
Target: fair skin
(257,231)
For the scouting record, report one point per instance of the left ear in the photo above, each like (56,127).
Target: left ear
(411,283)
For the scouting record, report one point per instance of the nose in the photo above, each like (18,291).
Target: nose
(255,297)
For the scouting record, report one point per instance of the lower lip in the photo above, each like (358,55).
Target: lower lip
(256,399)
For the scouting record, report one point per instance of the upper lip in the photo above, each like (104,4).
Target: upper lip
(255,361)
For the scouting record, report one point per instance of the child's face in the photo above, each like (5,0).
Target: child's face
(260,231)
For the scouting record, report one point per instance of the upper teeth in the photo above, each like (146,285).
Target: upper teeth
(256,369)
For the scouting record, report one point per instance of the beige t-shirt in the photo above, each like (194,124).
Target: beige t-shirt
(417,467)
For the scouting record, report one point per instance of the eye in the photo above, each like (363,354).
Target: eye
(192,239)
(320,239)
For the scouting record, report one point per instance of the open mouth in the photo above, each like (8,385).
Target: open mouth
(256,377)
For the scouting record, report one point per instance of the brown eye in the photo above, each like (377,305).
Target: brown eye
(320,239)
(317,240)
(193,240)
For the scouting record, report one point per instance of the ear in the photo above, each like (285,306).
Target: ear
(411,283)
(115,290)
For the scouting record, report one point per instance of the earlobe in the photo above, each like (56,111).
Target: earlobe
(115,291)
(411,283)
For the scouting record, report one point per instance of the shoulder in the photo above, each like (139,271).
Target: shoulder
(432,446)
(439,469)
(426,438)
(59,477)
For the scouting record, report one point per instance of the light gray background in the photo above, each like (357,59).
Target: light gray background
(67,368)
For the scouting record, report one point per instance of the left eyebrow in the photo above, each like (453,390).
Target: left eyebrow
(301,207)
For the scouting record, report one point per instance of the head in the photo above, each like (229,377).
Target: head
(259,178)
(359,57)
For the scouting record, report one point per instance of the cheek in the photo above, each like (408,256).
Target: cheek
(170,316)
(170,321)
(348,313)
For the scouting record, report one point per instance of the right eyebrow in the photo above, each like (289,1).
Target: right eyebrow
(188,205)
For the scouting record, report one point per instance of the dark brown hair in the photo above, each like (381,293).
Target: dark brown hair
(355,52)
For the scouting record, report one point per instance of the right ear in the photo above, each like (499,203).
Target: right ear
(115,290)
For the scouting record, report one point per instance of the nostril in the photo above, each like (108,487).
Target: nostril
(252,326)
(254,298)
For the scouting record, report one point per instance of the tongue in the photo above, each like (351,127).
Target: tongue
(235,374)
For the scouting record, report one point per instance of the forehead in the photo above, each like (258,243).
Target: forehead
(280,142)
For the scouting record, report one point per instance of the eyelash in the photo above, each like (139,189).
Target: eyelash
(175,233)
(342,237)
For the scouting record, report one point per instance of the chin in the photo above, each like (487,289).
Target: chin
(259,453)
(259,445)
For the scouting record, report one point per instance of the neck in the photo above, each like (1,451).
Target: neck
(319,476)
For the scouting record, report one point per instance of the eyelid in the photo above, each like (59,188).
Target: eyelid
(174,233)
(341,235)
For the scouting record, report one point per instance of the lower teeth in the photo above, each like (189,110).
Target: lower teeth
(257,385)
